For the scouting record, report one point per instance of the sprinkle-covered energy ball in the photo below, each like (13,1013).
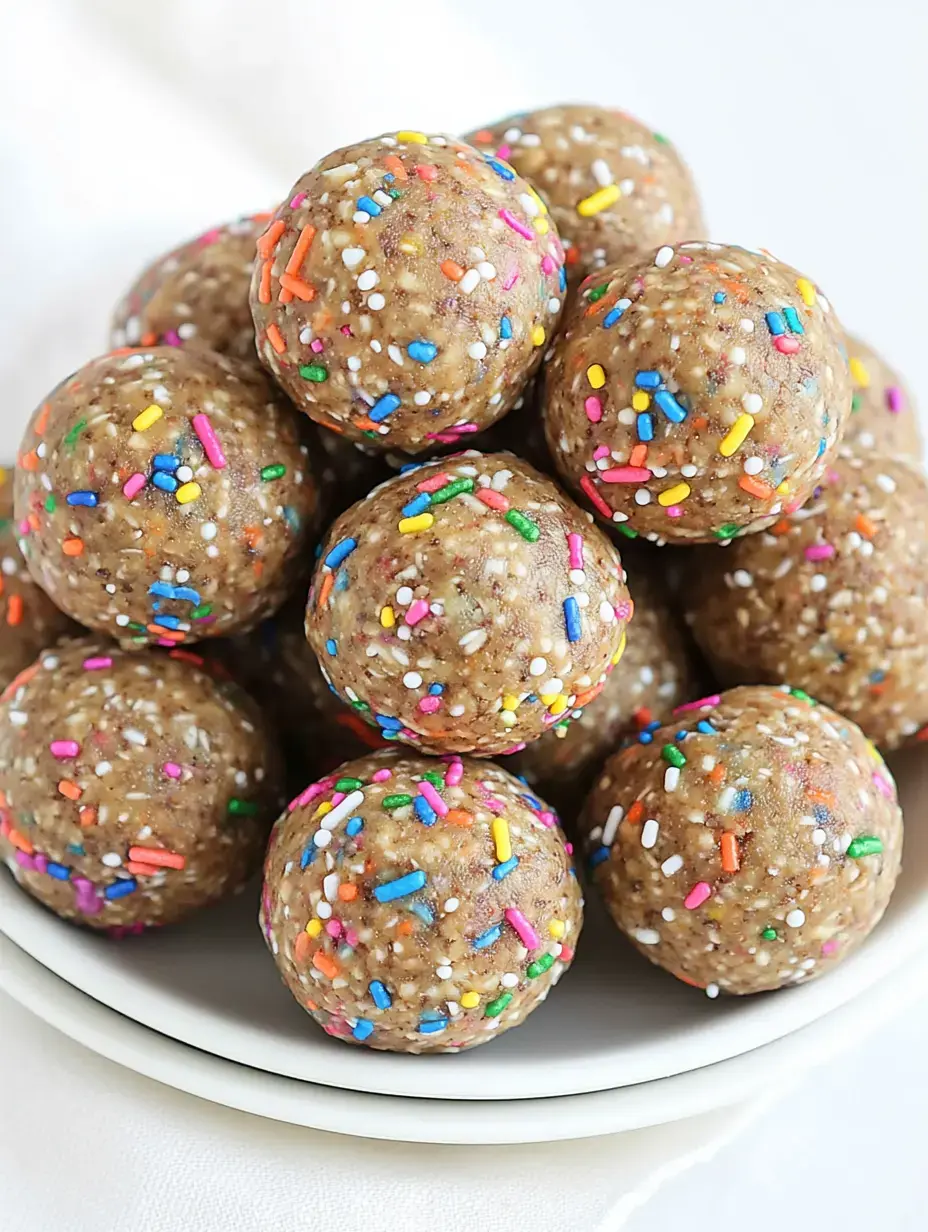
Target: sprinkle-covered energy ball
(136,787)
(884,418)
(834,596)
(165,496)
(697,393)
(419,905)
(29,621)
(406,290)
(754,843)
(467,605)
(657,672)
(613,186)
(195,295)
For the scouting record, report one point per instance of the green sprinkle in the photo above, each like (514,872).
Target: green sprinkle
(134,624)
(434,778)
(314,372)
(276,471)
(395,802)
(855,402)
(71,438)
(347,785)
(241,808)
(802,695)
(769,934)
(495,1008)
(728,531)
(661,139)
(597,292)
(624,529)
(50,503)
(865,845)
(359,705)
(451,490)
(525,526)
(6,522)
(200,612)
(394,193)
(671,753)
(539,966)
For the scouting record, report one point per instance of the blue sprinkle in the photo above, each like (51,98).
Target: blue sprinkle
(423,912)
(119,889)
(682,735)
(487,938)
(501,169)
(340,552)
(362,1029)
(410,466)
(354,826)
(653,726)
(59,871)
(562,279)
(877,676)
(400,887)
(292,518)
(424,811)
(82,498)
(164,481)
(379,995)
(597,857)
(387,722)
(505,327)
(421,351)
(383,407)
(572,619)
(418,505)
(436,690)
(645,737)
(647,380)
(369,206)
(645,426)
(793,321)
(775,324)
(77,849)
(164,589)
(309,854)
(433,1026)
(670,406)
(389,178)
(342,581)
(821,447)
(167,622)
(705,727)
(166,462)
(503,870)
(820,813)
(331,647)
(532,801)
(719,297)
(186,594)
(742,801)
(613,315)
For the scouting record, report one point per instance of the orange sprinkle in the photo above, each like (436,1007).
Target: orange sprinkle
(451,270)
(275,339)
(459,817)
(158,856)
(33,521)
(638,455)
(143,870)
(755,487)
(42,422)
(296,286)
(169,635)
(14,611)
(29,461)
(327,583)
(70,790)
(642,716)
(484,137)
(87,816)
(302,946)
(584,699)
(781,528)
(731,855)
(818,796)
(572,255)
(300,249)
(264,287)
(635,813)
(20,841)
(149,338)
(718,774)
(73,547)
(325,963)
(18,681)
(394,164)
(404,928)
(864,526)
(347,893)
(268,241)
(366,425)
(284,296)
(700,422)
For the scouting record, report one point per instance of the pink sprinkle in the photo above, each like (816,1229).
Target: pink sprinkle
(337,798)
(346,330)
(601,451)
(411,736)
(381,776)
(133,485)
(24,528)
(25,861)
(786,344)
(171,769)
(97,664)
(495,500)
(173,338)
(64,749)
(701,703)
(697,896)
(575,550)
(548,264)
(567,955)
(209,237)
(454,774)
(453,434)
(895,399)
(334,928)
(87,900)
(626,474)
(519,227)
(434,482)
(547,819)
(884,787)
(623,610)
(511,279)
(829,947)
(521,926)
(163,641)
(40,861)
(594,409)
(517,748)
(674,511)
(351,937)
(684,260)
(503,152)
(428,705)
(569,848)
(209,440)
(494,805)
(819,551)
(297,201)
(433,798)
(317,345)
(416,611)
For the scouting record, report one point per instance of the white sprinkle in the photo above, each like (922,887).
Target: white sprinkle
(616,813)
(112,859)
(752,403)
(664,256)
(712,991)
(649,833)
(741,577)
(342,810)
(422,397)
(642,497)
(18,718)
(477,350)
(412,680)
(208,531)
(668,914)
(451,904)
(747,325)
(122,621)
(472,640)
(753,465)
(538,666)
(606,612)
(672,865)
(322,838)
(368,280)
(509,979)
(353,256)
(486,271)
(469,282)
(671,778)
(647,936)
(444,973)
(184,474)
(354,363)
(601,173)
(102,769)
(796,918)
(885,482)
(818,582)
(737,355)
(330,886)
(323,911)
(375,302)
(404,595)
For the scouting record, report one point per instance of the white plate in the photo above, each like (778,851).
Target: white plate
(613,1021)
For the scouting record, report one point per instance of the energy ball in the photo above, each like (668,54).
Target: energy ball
(656,674)
(418,905)
(137,788)
(29,621)
(834,596)
(697,392)
(613,186)
(196,295)
(754,843)
(406,290)
(165,496)
(467,605)
(884,418)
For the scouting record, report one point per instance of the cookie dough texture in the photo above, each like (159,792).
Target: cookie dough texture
(657,672)
(613,186)
(29,621)
(165,496)
(834,596)
(753,844)
(136,787)
(417,905)
(467,605)
(406,290)
(697,393)
(884,418)
(196,295)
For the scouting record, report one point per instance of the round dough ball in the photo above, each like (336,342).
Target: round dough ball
(165,496)
(421,282)
(884,417)
(612,185)
(754,842)
(137,787)
(834,597)
(419,906)
(697,392)
(657,673)
(195,295)
(29,621)
(467,605)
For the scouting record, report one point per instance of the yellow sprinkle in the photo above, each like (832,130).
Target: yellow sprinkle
(598,201)
(146,418)
(387,618)
(538,335)
(188,492)
(410,245)
(542,208)
(783,488)
(549,699)
(2,474)
(874,752)
(314,928)
(859,373)
(640,400)
(673,496)
(324,807)
(736,434)
(621,650)
(412,138)
(422,521)
(541,225)
(806,290)
(510,702)
(503,843)
(596,376)
(559,705)
(470,1000)
(557,929)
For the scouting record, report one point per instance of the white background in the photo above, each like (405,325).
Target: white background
(125,127)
